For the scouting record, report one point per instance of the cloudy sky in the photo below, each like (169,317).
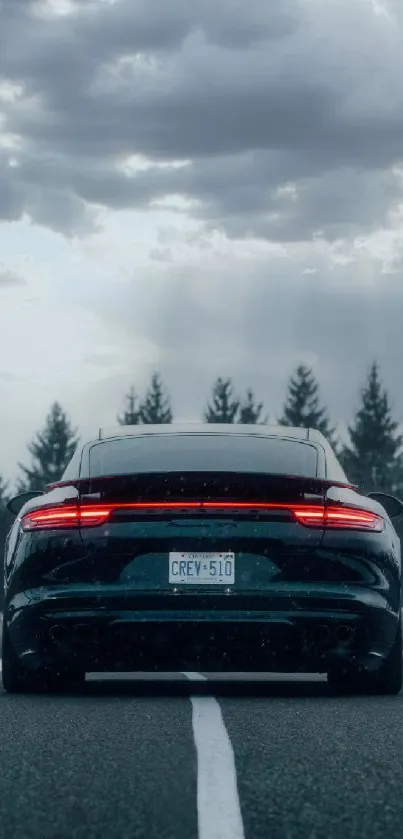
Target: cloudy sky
(200,186)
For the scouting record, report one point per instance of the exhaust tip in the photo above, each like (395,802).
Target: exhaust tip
(345,634)
(57,633)
(84,633)
(321,634)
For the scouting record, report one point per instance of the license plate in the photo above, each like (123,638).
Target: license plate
(201,568)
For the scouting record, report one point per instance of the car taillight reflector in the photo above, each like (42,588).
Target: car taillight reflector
(344,518)
(349,517)
(65,517)
(313,515)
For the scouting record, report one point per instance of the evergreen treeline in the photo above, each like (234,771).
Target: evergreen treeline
(4,521)
(372,455)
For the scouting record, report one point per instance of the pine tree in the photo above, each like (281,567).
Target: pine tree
(224,405)
(4,526)
(4,496)
(156,407)
(250,411)
(131,414)
(51,451)
(3,493)
(302,407)
(373,458)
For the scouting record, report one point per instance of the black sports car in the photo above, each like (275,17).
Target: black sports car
(206,548)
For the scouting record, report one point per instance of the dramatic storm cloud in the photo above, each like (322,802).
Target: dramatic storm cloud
(208,187)
(286,120)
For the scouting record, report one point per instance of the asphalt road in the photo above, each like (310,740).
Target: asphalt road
(183,758)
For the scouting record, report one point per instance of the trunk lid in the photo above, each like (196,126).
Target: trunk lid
(240,535)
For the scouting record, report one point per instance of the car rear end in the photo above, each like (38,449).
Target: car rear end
(209,551)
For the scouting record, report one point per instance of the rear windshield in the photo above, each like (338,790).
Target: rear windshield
(203,453)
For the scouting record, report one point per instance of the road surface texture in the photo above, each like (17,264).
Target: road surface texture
(190,757)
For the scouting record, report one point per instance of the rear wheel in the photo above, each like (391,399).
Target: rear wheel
(17,679)
(386,681)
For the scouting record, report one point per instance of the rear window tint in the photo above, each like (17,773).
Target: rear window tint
(203,453)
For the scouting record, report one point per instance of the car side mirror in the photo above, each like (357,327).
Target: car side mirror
(16,504)
(390,503)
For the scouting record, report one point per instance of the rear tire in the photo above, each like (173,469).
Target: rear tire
(17,679)
(387,681)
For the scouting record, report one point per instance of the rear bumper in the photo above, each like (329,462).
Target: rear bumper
(278,634)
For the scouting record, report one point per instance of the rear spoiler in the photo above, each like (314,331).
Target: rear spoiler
(306,483)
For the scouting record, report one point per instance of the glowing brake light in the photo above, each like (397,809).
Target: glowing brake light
(350,517)
(308,515)
(344,518)
(53,518)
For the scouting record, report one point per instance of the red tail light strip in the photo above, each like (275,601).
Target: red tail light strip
(88,515)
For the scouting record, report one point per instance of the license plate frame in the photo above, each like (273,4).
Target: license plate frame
(211,568)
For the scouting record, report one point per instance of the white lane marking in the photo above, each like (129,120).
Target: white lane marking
(218,808)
